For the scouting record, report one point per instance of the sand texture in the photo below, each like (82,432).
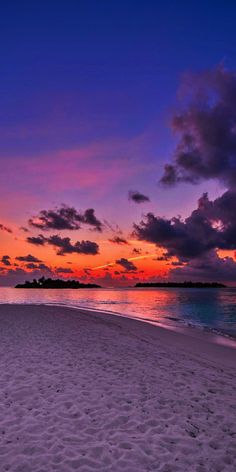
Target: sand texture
(89,392)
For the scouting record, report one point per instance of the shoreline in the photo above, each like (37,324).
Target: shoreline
(197,331)
(196,339)
(185,336)
(220,325)
(103,393)
(212,336)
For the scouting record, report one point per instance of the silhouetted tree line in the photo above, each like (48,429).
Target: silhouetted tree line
(186,284)
(55,283)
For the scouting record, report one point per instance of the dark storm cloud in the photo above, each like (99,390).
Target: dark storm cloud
(65,218)
(138,197)
(118,240)
(5,228)
(28,258)
(207,132)
(127,265)
(211,226)
(207,149)
(173,235)
(6,260)
(208,267)
(39,240)
(221,214)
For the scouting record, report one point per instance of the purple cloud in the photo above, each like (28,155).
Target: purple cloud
(63,270)
(118,240)
(127,265)
(207,132)
(6,260)
(5,228)
(39,240)
(138,197)
(65,246)
(28,258)
(65,218)
(209,267)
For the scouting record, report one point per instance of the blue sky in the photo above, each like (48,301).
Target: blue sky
(88,89)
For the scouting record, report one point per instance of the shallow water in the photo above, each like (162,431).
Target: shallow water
(214,309)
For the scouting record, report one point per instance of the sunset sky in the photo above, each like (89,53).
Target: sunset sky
(118,141)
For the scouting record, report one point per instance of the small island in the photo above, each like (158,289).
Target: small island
(55,283)
(186,284)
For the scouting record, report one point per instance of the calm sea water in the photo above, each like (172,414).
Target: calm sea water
(209,308)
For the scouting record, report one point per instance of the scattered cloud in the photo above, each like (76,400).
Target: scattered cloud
(127,265)
(39,240)
(138,197)
(6,260)
(118,240)
(5,228)
(65,217)
(89,218)
(64,245)
(44,267)
(31,265)
(28,258)
(63,270)
(113,227)
(136,251)
(164,257)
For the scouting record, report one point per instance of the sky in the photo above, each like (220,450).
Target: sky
(118,141)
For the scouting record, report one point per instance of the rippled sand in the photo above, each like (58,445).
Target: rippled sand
(92,392)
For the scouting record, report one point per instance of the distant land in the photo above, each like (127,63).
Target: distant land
(187,284)
(55,283)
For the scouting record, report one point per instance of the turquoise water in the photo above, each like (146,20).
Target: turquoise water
(214,309)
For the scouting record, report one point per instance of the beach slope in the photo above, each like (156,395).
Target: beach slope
(94,392)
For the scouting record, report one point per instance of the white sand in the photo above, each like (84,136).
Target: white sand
(94,392)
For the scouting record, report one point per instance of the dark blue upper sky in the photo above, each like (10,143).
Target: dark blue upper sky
(102,67)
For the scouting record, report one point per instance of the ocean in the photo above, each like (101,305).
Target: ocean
(210,309)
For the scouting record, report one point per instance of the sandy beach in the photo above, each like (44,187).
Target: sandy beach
(95,392)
